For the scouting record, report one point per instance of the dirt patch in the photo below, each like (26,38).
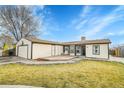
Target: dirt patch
(56,58)
(42,59)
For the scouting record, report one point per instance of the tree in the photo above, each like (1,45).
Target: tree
(6,39)
(18,21)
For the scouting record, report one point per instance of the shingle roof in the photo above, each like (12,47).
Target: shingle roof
(36,40)
(98,41)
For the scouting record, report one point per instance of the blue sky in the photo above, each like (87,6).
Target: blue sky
(69,23)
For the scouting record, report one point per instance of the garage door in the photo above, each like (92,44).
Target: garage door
(23,51)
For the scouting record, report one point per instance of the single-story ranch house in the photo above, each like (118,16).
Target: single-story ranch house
(33,48)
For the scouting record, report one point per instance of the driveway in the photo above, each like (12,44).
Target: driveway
(10,59)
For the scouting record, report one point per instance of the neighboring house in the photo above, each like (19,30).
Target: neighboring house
(33,48)
(118,51)
(8,49)
(1,51)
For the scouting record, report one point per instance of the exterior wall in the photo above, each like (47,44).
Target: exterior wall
(103,51)
(72,50)
(41,50)
(25,42)
(58,50)
(46,50)
(23,51)
(1,52)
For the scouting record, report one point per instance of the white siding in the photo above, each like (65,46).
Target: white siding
(59,50)
(23,51)
(46,50)
(52,50)
(1,52)
(103,51)
(25,42)
(41,50)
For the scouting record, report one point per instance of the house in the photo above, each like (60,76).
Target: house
(118,51)
(33,48)
(8,49)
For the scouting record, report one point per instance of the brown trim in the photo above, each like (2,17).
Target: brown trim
(67,43)
(63,50)
(95,43)
(31,50)
(84,44)
(46,43)
(75,50)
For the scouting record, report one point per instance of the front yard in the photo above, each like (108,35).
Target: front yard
(83,74)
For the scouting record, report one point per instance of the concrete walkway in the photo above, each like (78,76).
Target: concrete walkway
(8,60)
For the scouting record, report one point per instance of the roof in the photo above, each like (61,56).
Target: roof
(36,40)
(98,41)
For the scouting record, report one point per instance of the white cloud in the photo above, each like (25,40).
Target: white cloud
(80,20)
(81,24)
(95,24)
(119,33)
(110,34)
(86,11)
(105,21)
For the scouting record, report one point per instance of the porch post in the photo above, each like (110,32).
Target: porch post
(63,50)
(75,49)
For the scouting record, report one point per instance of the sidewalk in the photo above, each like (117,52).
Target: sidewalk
(16,86)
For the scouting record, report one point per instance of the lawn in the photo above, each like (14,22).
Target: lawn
(83,74)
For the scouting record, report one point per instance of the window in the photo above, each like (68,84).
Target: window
(96,49)
(78,49)
(72,49)
(66,48)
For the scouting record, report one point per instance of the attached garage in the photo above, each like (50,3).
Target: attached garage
(33,48)
(23,51)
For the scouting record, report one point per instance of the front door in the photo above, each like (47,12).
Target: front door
(78,50)
(66,50)
(83,51)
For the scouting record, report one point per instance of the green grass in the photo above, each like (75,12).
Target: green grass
(83,74)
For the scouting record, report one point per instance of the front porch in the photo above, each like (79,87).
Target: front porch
(74,50)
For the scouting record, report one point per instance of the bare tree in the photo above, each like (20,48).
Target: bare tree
(19,21)
(6,39)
